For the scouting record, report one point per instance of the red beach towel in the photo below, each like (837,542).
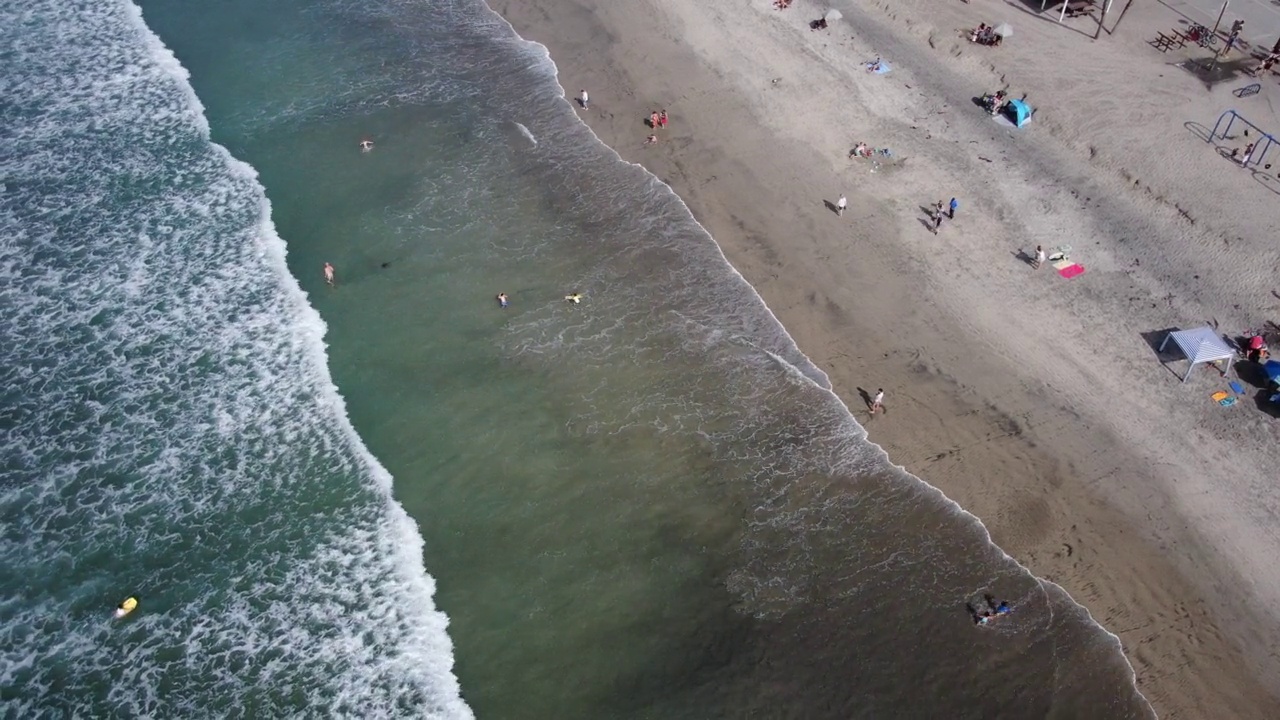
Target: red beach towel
(1071,271)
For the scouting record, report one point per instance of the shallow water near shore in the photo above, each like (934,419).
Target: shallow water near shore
(645,505)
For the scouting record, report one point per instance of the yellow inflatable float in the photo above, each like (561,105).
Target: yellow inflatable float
(126,607)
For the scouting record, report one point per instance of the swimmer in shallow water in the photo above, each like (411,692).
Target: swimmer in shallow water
(574,298)
(502,300)
(366,145)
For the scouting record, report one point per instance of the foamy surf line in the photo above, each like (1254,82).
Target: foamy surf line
(404,649)
(822,379)
(432,649)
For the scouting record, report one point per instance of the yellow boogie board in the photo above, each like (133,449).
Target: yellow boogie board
(126,607)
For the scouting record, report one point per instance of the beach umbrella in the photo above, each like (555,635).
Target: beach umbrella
(832,16)
(1004,30)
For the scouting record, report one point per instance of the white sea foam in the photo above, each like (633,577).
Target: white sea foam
(175,429)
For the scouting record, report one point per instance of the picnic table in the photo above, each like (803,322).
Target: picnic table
(1166,42)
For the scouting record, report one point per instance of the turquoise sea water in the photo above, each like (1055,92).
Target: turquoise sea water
(647,505)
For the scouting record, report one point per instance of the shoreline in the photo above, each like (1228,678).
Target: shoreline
(939,399)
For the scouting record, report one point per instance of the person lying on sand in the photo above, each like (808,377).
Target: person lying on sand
(651,140)
(860,150)
(573,298)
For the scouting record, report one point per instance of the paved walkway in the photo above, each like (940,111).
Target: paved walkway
(1261,17)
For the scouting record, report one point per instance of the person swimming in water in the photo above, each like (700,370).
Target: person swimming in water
(502,300)
(574,298)
(366,145)
(990,612)
(127,606)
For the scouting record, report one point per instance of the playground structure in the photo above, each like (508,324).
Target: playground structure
(1261,146)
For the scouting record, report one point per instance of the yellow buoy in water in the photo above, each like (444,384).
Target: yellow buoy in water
(126,607)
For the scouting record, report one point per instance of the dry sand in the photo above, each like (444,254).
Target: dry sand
(1034,401)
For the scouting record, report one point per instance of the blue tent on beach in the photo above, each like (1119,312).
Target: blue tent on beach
(1272,369)
(1019,112)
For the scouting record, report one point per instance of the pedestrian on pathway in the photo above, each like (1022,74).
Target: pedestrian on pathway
(841,204)
(952,210)
(584,98)
(1039,260)
(1236,27)
(877,402)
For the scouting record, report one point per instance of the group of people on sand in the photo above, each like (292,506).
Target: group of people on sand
(863,150)
(657,121)
(940,210)
(985,35)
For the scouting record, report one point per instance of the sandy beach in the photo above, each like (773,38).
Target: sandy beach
(1036,402)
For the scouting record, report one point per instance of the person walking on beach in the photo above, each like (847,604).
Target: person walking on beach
(328,274)
(952,209)
(877,402)
(937,218)
(841,204)
(1039,259)
(584,98)
(1236,27)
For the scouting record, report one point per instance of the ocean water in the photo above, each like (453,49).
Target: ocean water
(647,505)
(170,429)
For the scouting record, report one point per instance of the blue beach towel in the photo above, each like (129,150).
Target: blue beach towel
(878,66)
(1237,387)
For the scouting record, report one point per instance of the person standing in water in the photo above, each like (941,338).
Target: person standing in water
(329,274)
(502,300)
